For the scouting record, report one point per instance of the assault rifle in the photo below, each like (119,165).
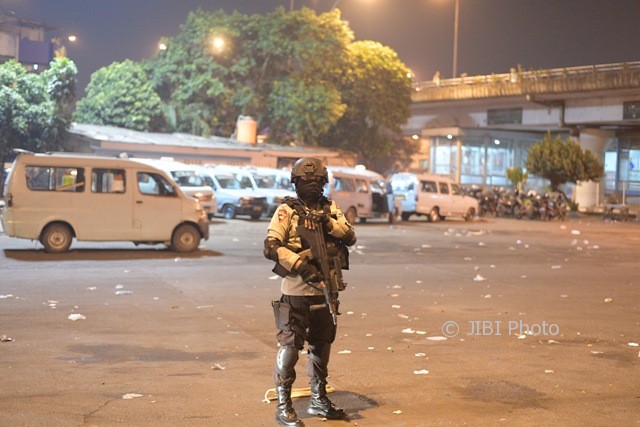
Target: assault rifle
(311,231)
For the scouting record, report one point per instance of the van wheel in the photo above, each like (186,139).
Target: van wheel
(255,216)
(229,211)
(56,238)
(405,216)
(185,239)
(351,215)
(471,213)
(434,215)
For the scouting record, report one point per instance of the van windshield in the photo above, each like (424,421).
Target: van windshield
(187,178)
(232,181)
(273,182)
(402,185)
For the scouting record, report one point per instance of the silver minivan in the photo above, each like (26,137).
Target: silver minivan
(435,196)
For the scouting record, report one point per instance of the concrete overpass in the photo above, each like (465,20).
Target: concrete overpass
(475,127)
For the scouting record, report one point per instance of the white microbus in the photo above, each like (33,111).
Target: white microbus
(435,196)
(55,197)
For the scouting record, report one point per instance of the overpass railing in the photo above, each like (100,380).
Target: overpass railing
(520,82)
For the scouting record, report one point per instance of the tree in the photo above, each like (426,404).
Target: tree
(563,161)
(282,69)
(377,91)
(121,95)
(35,108)
(517,177)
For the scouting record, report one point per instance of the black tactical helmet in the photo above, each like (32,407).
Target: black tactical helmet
(309,166)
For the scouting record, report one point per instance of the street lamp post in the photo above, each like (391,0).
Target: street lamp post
(455,38)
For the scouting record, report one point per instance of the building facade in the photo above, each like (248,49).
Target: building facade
(475,128)
(26,41)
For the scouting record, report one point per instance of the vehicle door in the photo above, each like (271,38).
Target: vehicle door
(157,206)
(444,198)
(458,202)
(427,196)
(363,197)
(107,211)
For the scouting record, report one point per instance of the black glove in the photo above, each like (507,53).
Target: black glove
(309,272)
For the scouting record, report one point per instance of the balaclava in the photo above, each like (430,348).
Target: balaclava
(309,191)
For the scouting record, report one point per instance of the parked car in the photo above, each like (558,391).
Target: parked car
(56,197)
(435,196)
(234,189)
(274,184)
(190,181)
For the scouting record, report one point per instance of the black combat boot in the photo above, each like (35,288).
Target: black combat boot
(285,414)
(320,403)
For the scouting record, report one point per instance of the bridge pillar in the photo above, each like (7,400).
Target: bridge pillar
(590,194)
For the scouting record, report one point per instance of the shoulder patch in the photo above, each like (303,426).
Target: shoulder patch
(282,215)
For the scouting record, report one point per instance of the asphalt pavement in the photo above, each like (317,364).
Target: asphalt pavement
(493,322)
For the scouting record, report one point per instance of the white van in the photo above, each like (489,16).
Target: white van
(56,197)
(235,192)
(274,184)
(433,195)
(190,182)
(359,193)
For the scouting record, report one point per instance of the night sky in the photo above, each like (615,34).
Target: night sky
(494,35)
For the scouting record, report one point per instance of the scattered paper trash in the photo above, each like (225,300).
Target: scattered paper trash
(76,316)
(575,232)
(596,352)
(408,331)
(344,352)
(5,338)
(479,278)
(218,367)
(123,293)
(487,296)
(548,371)
(436,338)
(633,344)
(131,395)
(421,372)
(274,277)
(420,354)
(397,411)
(395,306)
(608,299)
(5,296)
(556,267)
(481,244)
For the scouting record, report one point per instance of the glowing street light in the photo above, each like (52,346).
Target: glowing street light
(218,44)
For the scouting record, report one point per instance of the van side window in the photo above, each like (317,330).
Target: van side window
(444,187)
(362,186)
(456,190)
(49,178)
(107,181)
(428,187)
(343,184)
(154,185)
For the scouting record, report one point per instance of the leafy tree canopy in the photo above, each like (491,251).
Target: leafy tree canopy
(376,88)
(35,108)
(121,95)
(563,161)
(299,74)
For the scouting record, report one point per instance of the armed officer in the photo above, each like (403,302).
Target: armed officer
(302,313)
